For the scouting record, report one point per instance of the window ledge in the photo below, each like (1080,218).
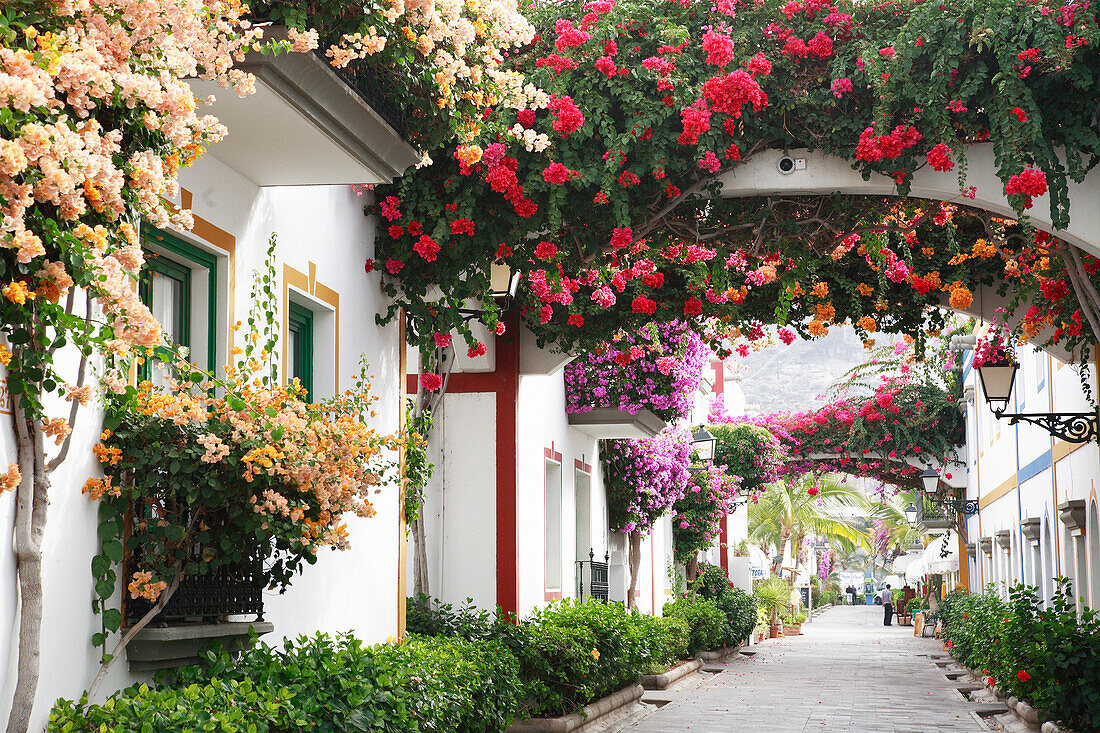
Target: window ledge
(166,647)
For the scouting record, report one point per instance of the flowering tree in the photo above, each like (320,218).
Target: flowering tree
(643,479)
(676,95)
(658,369)
(258,477)
(97,120)
(697,516)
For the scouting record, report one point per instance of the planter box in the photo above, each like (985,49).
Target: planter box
(166,647)
(795,630)
(584,720)
(663,680)
(718,655)
(608,422)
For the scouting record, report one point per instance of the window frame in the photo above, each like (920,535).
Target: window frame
(299,321)
(177,248)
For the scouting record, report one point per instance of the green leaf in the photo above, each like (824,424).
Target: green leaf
(113,550)
(112,619)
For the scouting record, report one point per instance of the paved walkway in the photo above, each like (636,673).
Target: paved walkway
(847,672)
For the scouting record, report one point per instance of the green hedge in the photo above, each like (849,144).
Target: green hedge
(705,622)
(569,652)
(1046,656)
(738,606)
(320,683)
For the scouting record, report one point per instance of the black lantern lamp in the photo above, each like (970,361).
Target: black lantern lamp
(911,513)
(930,478)
(704,444)
(1072,427)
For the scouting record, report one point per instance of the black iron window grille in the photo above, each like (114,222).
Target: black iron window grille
(592,577)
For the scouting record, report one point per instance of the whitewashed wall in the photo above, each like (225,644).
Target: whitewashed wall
(355,590)
(1019,472)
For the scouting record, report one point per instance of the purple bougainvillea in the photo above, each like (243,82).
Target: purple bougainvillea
(659,368)
(644,478)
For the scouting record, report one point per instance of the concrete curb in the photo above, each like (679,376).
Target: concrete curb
(719,655)
(585,719)
(1027,714)
(663,680)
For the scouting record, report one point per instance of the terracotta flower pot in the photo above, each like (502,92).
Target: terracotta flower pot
(773,631)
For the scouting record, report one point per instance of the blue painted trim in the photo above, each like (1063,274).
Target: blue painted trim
(1040,464)
(968,362)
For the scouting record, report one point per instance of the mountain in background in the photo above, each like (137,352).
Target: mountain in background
(789,378)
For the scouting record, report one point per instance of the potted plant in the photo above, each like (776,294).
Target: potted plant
(761,625)
(773,597)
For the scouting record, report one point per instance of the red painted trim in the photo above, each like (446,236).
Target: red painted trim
(462,382)
(723,546)
(553,457)
(719,368)
(580,465)
(506,379)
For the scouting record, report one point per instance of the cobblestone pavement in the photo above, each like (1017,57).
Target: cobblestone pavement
(847,672)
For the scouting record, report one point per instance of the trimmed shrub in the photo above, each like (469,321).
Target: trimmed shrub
(705,622)
(576,652)
(321,683)
(738,606)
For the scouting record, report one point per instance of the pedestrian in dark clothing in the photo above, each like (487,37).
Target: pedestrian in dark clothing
(887,597)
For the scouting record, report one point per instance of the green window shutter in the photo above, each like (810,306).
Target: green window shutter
(300,351)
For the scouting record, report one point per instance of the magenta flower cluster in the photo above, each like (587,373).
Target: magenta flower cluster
(825,564)
(697,516)
(659,369)
(645,478)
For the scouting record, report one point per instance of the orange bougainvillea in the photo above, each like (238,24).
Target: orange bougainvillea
(961,297)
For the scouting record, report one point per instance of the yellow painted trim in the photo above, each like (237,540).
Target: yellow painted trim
(997,493)
(308,284)
(223,240)
(1062,449)
(402,530)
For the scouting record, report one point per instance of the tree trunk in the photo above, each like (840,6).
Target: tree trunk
(30,524)
(420,556)
(635,562)
(691,568)
(778,566)
(162,601)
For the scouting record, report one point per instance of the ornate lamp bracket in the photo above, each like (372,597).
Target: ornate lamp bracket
(1072,427)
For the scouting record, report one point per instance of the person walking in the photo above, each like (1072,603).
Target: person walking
(850,591)
(887,597)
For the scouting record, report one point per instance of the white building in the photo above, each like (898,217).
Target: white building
(1037,494)
(284,169)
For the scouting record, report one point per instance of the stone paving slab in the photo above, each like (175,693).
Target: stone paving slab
(847,672)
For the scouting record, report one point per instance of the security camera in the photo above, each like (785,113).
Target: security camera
(786,165)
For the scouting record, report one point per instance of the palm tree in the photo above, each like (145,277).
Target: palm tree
(791,511)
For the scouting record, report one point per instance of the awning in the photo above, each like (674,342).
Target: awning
(901,562)
(915,571)
(949,562)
